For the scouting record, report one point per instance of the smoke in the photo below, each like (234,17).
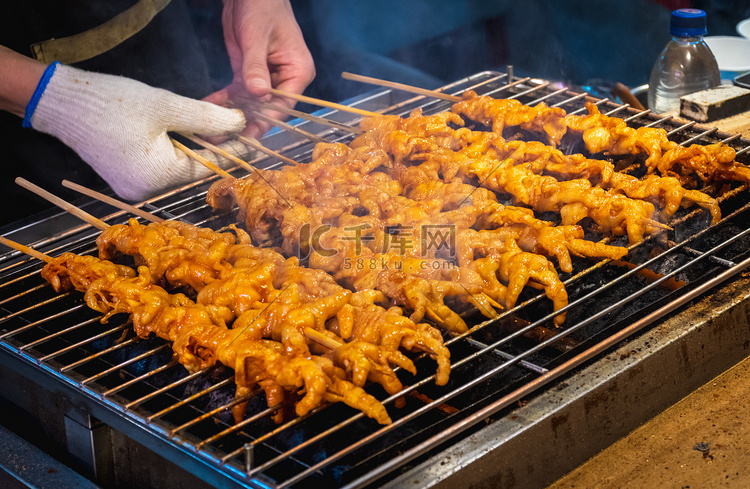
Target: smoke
(428,44)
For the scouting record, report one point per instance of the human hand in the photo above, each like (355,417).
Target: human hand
(266,50)
(119,127)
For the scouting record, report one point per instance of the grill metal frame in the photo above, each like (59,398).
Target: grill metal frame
(67,349)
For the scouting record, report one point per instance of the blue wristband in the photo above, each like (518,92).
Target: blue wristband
(31,107)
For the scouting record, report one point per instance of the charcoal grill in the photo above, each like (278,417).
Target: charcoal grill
(525,402)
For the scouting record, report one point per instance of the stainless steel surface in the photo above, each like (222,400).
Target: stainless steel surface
(23,466)
(135,387)
(89,444)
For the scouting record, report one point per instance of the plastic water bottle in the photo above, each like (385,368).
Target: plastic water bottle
(685,66)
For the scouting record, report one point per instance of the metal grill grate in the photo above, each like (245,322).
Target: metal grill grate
(498,362)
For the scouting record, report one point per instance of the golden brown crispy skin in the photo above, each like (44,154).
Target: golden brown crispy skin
(389,328)
(610,135)
(177,254)
(534,174)
(711,163)
(433,170)
(70,271)
(501,113)
(271,297)
(416,278)
(200,337)
(352,264)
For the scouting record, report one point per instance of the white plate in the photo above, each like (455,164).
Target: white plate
(732,52)
(743,28)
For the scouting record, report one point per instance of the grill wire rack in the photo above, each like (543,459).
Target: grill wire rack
(136,386)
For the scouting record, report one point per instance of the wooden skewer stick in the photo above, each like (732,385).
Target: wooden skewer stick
(200,159)
(25,249)
(322,339)
(255,144)
(109,200)
(323,103)
(288,127)
(657,224)
(333,397)
(400,86)
(216,149)
(299,114)
(66,206)
(247,166)
(309,117)
(512,84)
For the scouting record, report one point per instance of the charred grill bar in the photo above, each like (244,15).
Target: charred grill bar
(498,405)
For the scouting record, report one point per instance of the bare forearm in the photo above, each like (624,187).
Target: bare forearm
(19,76)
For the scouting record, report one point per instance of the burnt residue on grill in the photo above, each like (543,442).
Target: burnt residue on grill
(193,413)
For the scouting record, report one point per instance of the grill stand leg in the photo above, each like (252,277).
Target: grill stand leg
(89,443)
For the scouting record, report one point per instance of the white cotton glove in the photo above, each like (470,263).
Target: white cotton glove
(119,127)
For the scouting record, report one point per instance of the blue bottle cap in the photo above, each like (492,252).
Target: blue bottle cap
(688,22)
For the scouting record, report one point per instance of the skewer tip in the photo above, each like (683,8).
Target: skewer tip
(63,204)
(25,249)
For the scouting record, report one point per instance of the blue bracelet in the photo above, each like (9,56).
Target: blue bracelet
(31,107)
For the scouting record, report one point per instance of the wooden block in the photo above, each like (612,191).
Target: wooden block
(715,103)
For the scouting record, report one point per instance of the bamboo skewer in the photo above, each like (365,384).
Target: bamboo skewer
(322,339)
(113,202)
(200,159)
(513,84)
(323,103)
(263,149)
(288,127)
(25,249)
(418,90)
(657,224)
(85,216)
(310,333)
(309,117)
(66,206)
(247,166)
(80,213)
(298,114)
(399,86)
(216,149)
